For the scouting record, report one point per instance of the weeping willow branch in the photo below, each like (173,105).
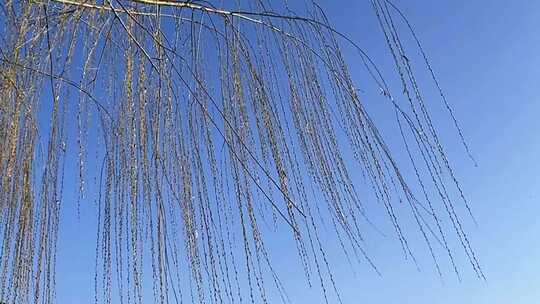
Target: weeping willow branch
(216,130)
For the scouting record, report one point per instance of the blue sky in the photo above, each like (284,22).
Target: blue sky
(486,54)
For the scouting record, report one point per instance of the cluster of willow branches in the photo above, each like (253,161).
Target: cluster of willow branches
(211,125)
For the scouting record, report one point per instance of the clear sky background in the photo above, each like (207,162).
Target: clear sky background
(487,57)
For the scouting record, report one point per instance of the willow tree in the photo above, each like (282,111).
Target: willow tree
(205,124)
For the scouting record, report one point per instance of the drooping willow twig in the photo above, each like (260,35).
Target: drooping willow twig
(214,123)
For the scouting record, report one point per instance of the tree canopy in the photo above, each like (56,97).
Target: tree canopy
(209,129)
